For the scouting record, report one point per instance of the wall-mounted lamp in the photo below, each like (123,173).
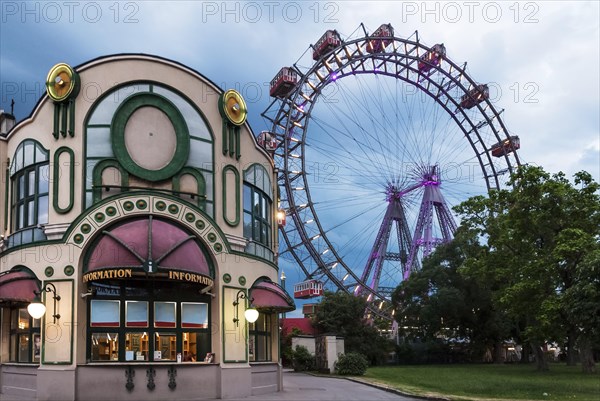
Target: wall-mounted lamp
(37,309)
(250,314)
(90,293)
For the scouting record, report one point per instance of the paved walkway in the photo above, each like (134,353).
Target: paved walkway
(303,387)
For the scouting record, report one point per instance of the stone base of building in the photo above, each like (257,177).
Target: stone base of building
(121,381)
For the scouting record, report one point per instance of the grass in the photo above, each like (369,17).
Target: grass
(491,382)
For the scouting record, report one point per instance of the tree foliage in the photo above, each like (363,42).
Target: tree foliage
(525,264)
(342,314)
(539,235)
(440,302)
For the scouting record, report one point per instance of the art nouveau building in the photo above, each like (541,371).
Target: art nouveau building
(137,203)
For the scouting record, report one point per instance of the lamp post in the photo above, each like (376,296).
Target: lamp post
(283,285)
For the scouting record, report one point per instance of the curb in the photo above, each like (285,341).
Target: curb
(395,390)
(379,386)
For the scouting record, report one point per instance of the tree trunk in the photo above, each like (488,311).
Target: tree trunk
(540,358)
(498,355)
(571,353)
(525,352)
(588,365)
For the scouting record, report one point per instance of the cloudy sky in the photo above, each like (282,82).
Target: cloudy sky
(542,58)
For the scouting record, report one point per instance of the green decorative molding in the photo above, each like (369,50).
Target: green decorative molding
(97,177)
(58,177)
(200,184)
(236,220)
(117,132)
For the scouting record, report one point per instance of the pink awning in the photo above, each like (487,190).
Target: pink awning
(138,242)
(269,296)
(18,285)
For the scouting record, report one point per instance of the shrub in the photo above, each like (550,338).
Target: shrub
(302,359)
(351,364)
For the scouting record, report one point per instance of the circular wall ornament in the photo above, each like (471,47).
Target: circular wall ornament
(69,270)
(242,280)
(234,107)
(49,271)
(150,137)
(62,83)
(227,278)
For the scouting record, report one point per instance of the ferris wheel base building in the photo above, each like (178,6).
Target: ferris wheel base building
(142,224)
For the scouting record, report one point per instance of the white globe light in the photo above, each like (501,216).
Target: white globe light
(251,315)
(36,309)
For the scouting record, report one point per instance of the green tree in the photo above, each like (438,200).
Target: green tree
(539,233)
(440,302)
(343,314)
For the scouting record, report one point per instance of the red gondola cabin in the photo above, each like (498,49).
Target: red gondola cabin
(432,58)
(267,141)
(475,96)
(382,34)
(330,40)
(284,82)
(506,146)
(308,289)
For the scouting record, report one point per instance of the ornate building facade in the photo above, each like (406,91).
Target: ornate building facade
(139,209)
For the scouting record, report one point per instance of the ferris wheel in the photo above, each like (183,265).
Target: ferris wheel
(375,138)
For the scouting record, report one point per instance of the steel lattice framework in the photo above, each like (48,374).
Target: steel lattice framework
(306,240)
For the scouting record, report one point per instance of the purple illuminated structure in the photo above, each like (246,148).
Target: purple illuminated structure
(423,238)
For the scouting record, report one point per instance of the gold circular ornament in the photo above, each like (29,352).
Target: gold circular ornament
(234,107)
(62,82)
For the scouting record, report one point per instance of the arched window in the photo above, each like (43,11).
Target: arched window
(29,177)
(104,181)
(145,275)
(258,206)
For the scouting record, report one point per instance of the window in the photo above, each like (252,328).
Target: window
(148,321)
(25,337)
(29,176)
(259,340)
(258,211)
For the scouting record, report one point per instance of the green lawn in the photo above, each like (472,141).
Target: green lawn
(507,382)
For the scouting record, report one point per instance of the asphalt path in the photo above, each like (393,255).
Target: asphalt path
(303,387)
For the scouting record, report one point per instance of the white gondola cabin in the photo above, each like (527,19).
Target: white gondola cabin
(308,289)
(284,82)
(330,40)
(475,96)
(432,58)
(506,146)
(384,35)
